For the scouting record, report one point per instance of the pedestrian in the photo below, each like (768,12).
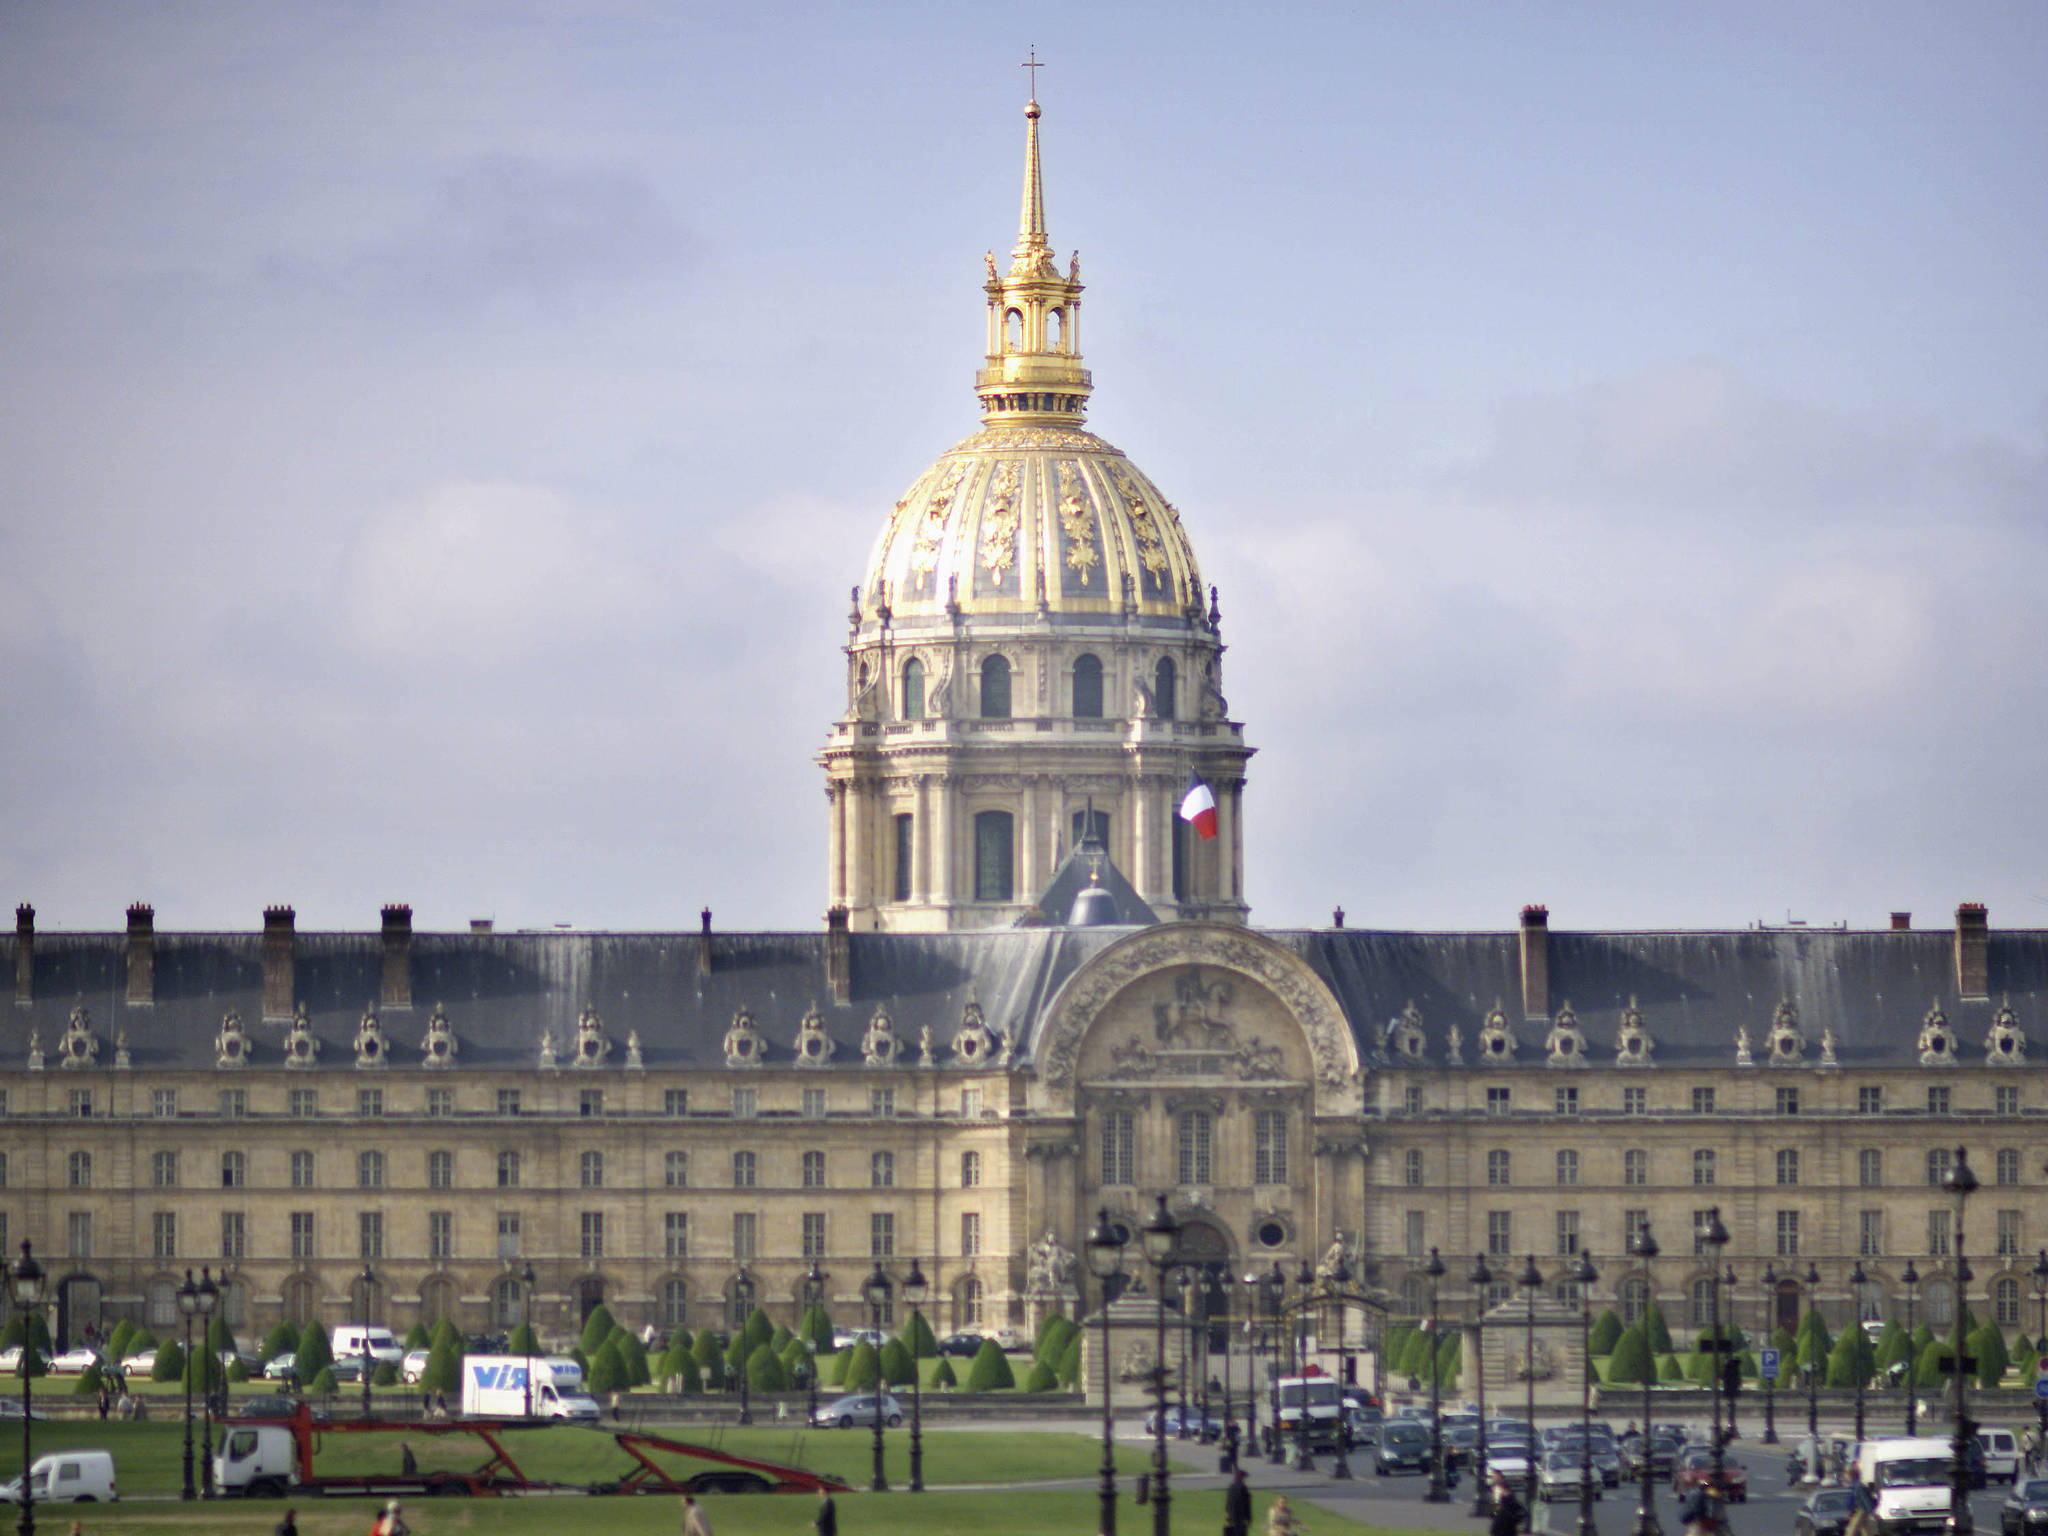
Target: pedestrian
(1280,1519)
(391,1522)
(288,1526)
(1508,1511)
(1862,1510)
(1237,1507)
(695,1521)
(408,1464)
(827,1521)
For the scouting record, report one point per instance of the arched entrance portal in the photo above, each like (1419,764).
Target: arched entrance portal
(78,1308)
(1205,1249)
(1788,1299)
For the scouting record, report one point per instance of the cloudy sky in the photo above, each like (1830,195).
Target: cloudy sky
(438,439)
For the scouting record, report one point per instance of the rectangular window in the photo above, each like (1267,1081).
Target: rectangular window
(882,1103)
(814,1170)
(675,1234)
(1788,1234)
(163,1103)
(675,1102)
(1411,1099)
(2005,1101)
(1937,1101)
(440,1170)
(1703,1101)
(881,1235)
(590,1170)
(970,1234)
(302,1235)
(743,1170)
(2008,1165)
(81,1103)
(1411,1168)
(508,1101)
(903,847)
(369,1170)
(234,1103)
(882,1170)
(1937,1166)
(814,1235)
(369,1234)
(440,1103)
(814,1103)
(2008,1234)
(1788,1101)
(1566,1101)
(1870,1099)
(369,1102)
(1632,1224)
(440,1236)
(1635,1168)
(1567,1234)
(508,1234)
(1119,1147)
(1870,1234)
(1635,1101)
(1192,1146)
(992,844)
(163,1170)
(3,1171)
(508,1170)
(1269,1147)
(1499,1168)
(970,1103)
(1499,1101)
(590,1103)
(743,1234)
(303,1103)
(163,1234)
(78,1234)
(675,1170)
(590,1226)
(970,1170)
(302,1170)
(1567,1167)
(1703,1167)
(1937,1234)
(1413,1231)
(746,1103)
(1788,1165)
(1500,1232)
(1699,1226)
(1870,1168)
(78,1170)
(233,1236)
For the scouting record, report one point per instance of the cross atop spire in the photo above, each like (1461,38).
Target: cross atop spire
(1034,66)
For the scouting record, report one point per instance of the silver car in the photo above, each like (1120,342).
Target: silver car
(859,1408)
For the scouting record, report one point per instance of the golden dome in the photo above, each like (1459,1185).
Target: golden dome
(1033,514)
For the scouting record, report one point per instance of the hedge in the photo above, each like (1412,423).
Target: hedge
(991,1369)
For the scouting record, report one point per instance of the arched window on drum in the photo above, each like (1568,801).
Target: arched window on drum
(995,688)
(1087,687)
(913,689)
(1165,689)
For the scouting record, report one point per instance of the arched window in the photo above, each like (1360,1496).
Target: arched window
(506,1310)
(992,846)
(1013,330)
(675,1303)
(1087,688)
(1635,1299)
(1165,688)
(913,689)
(1056,330)
(970,1302)
(995,688)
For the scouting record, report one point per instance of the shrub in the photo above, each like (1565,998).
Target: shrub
(1987,1345)
(1450,1354)
(1658,1332)
(385,1375)
(1606,1331)
(239,1372)
(817,1327)
(779,1339)
(897,1365)
(942,1375)
(1699,1369)
(1053,1341)
(443,1371)
(608,1368)
(1046,1327)
(1852,1360)
(917,1337)
(1040,1378)
(1631,1363)
(522,1342)
(170,1362)
(220,1338)
(673,1355)
(281,1340)
(735,1353)
(863,1369)
(1668,1369)
(597,1328)
(323,1383)
(710,1360)
(1932,1368)
(686,1368)
(314,1351)
(88,1384)
(117,1341)
(764,1370)
(991,1369)
(759,1330)
(1069,1368)
(417,1337)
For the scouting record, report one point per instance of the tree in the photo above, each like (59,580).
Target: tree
(764,1369)
(1931,1371)
(686,1370)
(1659,1332)
(897,1366)
(832,1368)
(170,1362)
(608,1367)
(1449,1353)
(863,1371)
(942,1374)
(522,1342)
(206,1371)
(1069,1368)
(220,1338)
(417,1337)
(634,1356)
(817,1327)
(759,1330)
(117,1341)
(991,1369)
(917,1336)
(779,1339)
(1052,1319)
(89,1381)
(314,1352)
(1852,1361)
(385,1375)
(323,1383)
(710,1358)
(281,1340)
(1987,1348)
(1607,1331)
(1814,1341)
(1631,1363)
(444,1360)
(1040,1378)
(1053,1338)
(596,1329)
(1668,1369)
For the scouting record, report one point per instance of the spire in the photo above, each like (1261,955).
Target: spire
(1031,222)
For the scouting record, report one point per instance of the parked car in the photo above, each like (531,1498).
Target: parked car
(413,1367)
(1661,1452)
(348,1368)
(1606,1459)
(139,1364)
(1509,1457)
(265,1405)
(1825,1513)
(10,1408)
(1561,1475)
(2001,1449)
(74,1362)
(848,1338)
(859,1408)
(1198,1423)
(2025,1510)
(961,1345)
(277,1367)
(1696,1466)
(1009,1340)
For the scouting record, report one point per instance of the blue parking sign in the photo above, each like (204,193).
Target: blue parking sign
(2041,1388)
(1767,1364)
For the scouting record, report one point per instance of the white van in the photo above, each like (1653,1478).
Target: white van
(1908,1479)
(348,1340)
(2001,1455)
(68,1477)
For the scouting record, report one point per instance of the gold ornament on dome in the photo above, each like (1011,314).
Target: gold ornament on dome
(999,523)
(1151,551)
(1074,523)
(924,554)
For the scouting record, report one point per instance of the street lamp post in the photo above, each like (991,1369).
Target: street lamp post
(1961,1183)
(1304,1453)
(1227,1461)
(1480,1278)
(1530,1280)
(1274,1286)
(1160,1237)
(1715,1237)
(368,1280)
(1645,1249)
(743,1303)
(814,1299)
(915,1289)
(1910,1277)
(1438,1493)
(1584,1275)
(526,1282)
(209,1300)
(1857,1280)
(877,1289)
(1184,1284)
(25,1284)
(1770,1285)
(2040,1274)
(1727,1362)
(1105,1249)
(1813,1367)
(1340,1282)
(188,1307)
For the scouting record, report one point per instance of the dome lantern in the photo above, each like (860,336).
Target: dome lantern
(1033,372)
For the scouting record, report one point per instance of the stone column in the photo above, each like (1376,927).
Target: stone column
(942,842)
(835,845)
(921,844)
(1028,833)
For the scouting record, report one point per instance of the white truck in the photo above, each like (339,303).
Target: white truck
(495,1387)
(1909,1480)
(1316,1397)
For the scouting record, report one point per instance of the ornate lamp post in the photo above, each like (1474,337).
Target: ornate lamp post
(877,1290)
(1226,1461)
(368,1280)
(1480,1278)
(743,1303)
(1960,1184)
(209,1301)
(2040,1274)
(1530,1280)
(915,1289)
(1437,1493)
(1770,1284)
(188,1308)
(1340,1282)
(1160,1236)
(1715,1237)
(1645,1249)
(1584,1276)
(814,1299)
(1911,1279)
(1726,1362)
(1273,1285)
(1304,1281)
(1813,1368)
(1857,1280)
(25,1285)
(1184,1283)
(1105,1251)
(526,1283)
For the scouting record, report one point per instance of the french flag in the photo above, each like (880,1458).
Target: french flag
(1198,807)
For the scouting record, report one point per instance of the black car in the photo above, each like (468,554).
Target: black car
(1825,1513)
(964,1346)
(1662,1453)
(1404,1447)
(2025,1509)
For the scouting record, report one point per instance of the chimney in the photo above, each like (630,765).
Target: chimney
(277,964)
(1973,941)
(396,991)
(1901,922)
(482,925)
(141,955)
(24,954)
(1536,962)
(704,945)
(1337,918)
(838,956)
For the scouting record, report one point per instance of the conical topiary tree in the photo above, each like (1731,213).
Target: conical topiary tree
(917,1336)
(1449,1355)
(596,1329)
(88,1383)
(1852,1361)
(897,1366)
(1040,1378)
(323,1383)
(1931,1370)
(1607,1332)
(1631,1362)
(1659,1331)
(991,1369)
(1814,1341)
(863,1372)
(687,1374)
(281,1340)
(710,1358)
(942,1374)
(314,1352)
(608,1368)
(1052,1319)
(1054,1338)
(832,1368)
(1668,1369)
(1069,1368)
(524,1341)
(817,1327)
(635,1355)
(1987,1348)
(759,1330)
(443,1371)
(764,1370)
(117,1341)
(418,1337)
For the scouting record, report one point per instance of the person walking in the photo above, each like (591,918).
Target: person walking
(391,1522)
(1508,1511)
(288,1526)
(695,1521)
(827,1521)
(1280,1520)
(1237,1507)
